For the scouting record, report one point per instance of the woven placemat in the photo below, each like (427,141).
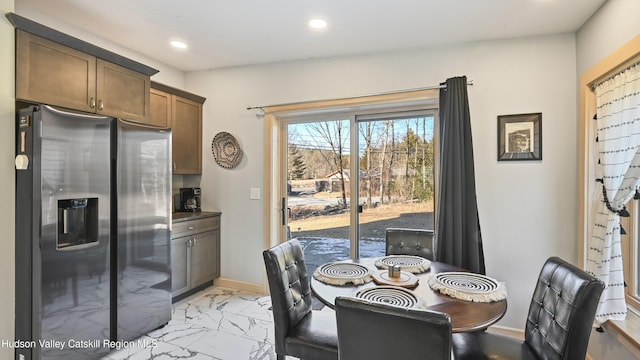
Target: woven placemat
(339,273)
(410,263)
(391,295)
(468,286)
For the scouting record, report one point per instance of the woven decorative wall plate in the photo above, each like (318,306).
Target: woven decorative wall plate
(226,150)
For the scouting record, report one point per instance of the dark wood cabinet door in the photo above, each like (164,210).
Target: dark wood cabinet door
(122,92)
(180,265)
(186,126)
(202,258)
(195,253)
(53,74)
(160,108)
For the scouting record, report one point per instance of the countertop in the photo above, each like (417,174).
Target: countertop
(186,216)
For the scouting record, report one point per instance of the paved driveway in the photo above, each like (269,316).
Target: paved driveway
(318,251)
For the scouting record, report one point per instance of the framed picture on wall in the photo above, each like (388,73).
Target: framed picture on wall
(520,137)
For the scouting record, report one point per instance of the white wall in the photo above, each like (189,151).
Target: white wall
(527,209)
(7,180)
(610,28)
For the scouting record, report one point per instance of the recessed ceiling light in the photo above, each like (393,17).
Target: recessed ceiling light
(178,44)
(318,23)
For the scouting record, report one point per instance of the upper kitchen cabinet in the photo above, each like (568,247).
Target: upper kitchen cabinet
(182,111)
(122,92)
(57,69)
(186,126)
(160,111)
(50,73)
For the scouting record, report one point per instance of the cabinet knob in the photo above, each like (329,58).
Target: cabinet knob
(92,103)
(100,105)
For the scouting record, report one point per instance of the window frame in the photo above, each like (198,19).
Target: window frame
(630,249)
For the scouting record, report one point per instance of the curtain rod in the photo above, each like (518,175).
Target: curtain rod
(634,64)
(469,83)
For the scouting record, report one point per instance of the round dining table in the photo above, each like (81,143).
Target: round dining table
(466,316)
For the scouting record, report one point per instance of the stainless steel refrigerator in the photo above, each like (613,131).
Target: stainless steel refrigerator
(93,221)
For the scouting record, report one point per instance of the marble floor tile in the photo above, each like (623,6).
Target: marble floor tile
(214,324)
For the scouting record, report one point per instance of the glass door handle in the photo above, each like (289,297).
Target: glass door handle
(283,208)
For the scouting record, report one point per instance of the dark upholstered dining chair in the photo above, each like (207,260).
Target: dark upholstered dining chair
(299,331)
(377,331)
(417,242)
(558,325)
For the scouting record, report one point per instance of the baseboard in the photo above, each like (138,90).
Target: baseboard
(507,331)
(240,285)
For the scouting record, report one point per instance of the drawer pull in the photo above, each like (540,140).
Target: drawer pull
(191,227)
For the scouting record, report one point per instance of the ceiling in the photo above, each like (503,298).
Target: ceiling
(242,32)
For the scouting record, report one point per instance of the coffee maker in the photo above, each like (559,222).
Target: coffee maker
(190,199)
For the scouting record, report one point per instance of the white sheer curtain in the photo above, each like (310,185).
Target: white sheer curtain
(618,122)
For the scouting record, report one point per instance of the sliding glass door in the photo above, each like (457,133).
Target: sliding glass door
(350,178)
(396,160)
(317,200)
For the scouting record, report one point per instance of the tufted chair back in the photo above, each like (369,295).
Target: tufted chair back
(562,311)
(417,242)
(372,331)
(289,286)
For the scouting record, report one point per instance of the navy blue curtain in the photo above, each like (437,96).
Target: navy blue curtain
(459,241)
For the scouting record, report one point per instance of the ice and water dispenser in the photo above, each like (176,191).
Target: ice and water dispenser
(77,222)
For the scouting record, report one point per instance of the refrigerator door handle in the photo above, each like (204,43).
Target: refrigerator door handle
(74,115)
(144,126)
(65,221)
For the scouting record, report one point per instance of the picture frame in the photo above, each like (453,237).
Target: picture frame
(520,137)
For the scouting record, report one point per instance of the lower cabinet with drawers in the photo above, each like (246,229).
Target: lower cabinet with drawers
(195,252)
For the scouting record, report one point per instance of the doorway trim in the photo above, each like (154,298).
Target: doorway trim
(275,132)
